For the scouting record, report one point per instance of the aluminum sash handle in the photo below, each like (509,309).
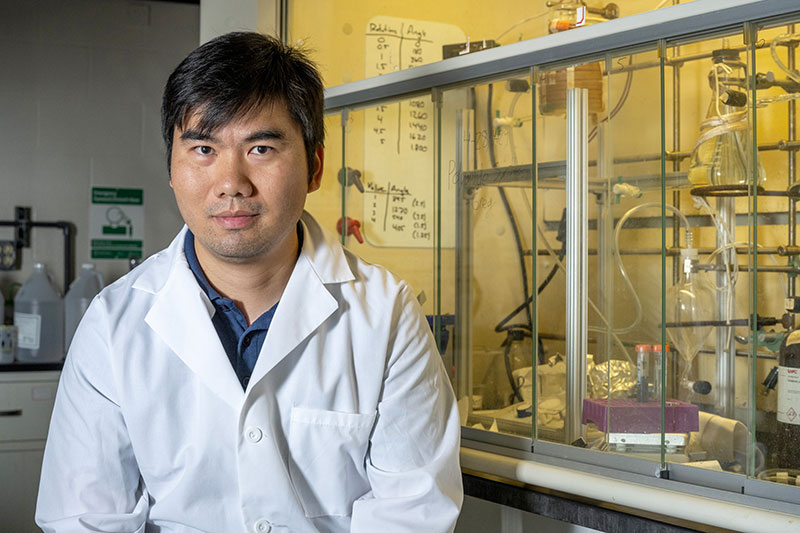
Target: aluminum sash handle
(577,188)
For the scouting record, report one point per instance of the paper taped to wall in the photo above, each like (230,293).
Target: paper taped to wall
(400,160)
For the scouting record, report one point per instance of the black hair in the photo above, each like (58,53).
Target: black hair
(234,74)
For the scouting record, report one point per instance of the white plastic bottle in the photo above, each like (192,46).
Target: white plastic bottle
(88,284)
(39,317)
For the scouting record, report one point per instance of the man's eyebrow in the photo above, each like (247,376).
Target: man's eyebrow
(197,135)
(266,135)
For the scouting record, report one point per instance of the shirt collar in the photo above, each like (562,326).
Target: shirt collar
(194,265)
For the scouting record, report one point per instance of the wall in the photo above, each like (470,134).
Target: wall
(80,98)
(218,18)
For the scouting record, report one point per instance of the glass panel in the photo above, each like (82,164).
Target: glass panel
(709,296)
(571,105)
(487,131)
(776,385)
(623,399)
(393,35)
(386,179)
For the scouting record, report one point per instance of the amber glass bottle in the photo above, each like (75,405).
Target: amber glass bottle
(788,437)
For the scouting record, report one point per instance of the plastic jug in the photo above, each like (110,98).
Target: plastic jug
(80,294)
(39,317)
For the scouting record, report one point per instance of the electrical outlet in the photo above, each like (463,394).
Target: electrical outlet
(8,256)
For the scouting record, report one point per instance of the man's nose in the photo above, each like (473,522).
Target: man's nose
(232,177)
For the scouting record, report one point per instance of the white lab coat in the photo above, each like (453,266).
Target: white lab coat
(348,422)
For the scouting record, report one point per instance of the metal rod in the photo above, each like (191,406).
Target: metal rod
(764,219)
(605,238)
(716,323)
(677,251)
(748,268)
(791,235)
(577,243)
(783,145)
(593,340)
(283,20)
(68,231)
(463,341)
(678,60)
(676,201)
(725,343)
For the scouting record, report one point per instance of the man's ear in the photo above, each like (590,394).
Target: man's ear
(316,176)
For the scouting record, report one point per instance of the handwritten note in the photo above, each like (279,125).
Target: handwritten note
(399,142)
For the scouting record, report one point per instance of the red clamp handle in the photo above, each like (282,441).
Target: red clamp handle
(353,228)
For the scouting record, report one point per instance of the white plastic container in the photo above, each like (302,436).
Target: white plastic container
(80,294)
(8,344)
(39,317)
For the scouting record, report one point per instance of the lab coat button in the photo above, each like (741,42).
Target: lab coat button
(254,434)
(262,526)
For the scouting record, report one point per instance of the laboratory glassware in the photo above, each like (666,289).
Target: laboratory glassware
(690,305)
(722,155)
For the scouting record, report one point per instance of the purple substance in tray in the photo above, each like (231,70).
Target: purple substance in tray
(625,415)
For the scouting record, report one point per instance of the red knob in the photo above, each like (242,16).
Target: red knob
(353,228)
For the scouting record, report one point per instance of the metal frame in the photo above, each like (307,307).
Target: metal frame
(645,473)
(667,23)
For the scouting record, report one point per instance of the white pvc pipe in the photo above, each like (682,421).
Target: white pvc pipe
(628,494)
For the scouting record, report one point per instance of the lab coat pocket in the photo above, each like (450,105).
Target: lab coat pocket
(327,463)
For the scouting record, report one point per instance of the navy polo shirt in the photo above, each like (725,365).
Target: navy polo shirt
(242,343)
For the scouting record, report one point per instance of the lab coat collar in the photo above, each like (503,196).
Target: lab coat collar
(181,317)
(324,252)
(181,313)
(306,301)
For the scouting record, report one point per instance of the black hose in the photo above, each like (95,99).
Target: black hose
(514,333)
(509,213)
(503,324)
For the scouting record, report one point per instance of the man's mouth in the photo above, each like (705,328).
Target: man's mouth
(235,219)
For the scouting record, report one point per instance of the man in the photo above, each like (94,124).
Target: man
(254,376)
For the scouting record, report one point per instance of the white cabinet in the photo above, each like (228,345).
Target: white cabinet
(26,402)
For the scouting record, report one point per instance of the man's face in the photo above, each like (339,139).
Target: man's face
(242,188)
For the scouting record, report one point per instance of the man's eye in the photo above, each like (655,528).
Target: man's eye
(204,150)
(261,150)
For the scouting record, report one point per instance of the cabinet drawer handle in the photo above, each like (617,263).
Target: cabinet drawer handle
(12,412)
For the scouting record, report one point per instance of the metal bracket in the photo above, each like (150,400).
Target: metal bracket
(22,230)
